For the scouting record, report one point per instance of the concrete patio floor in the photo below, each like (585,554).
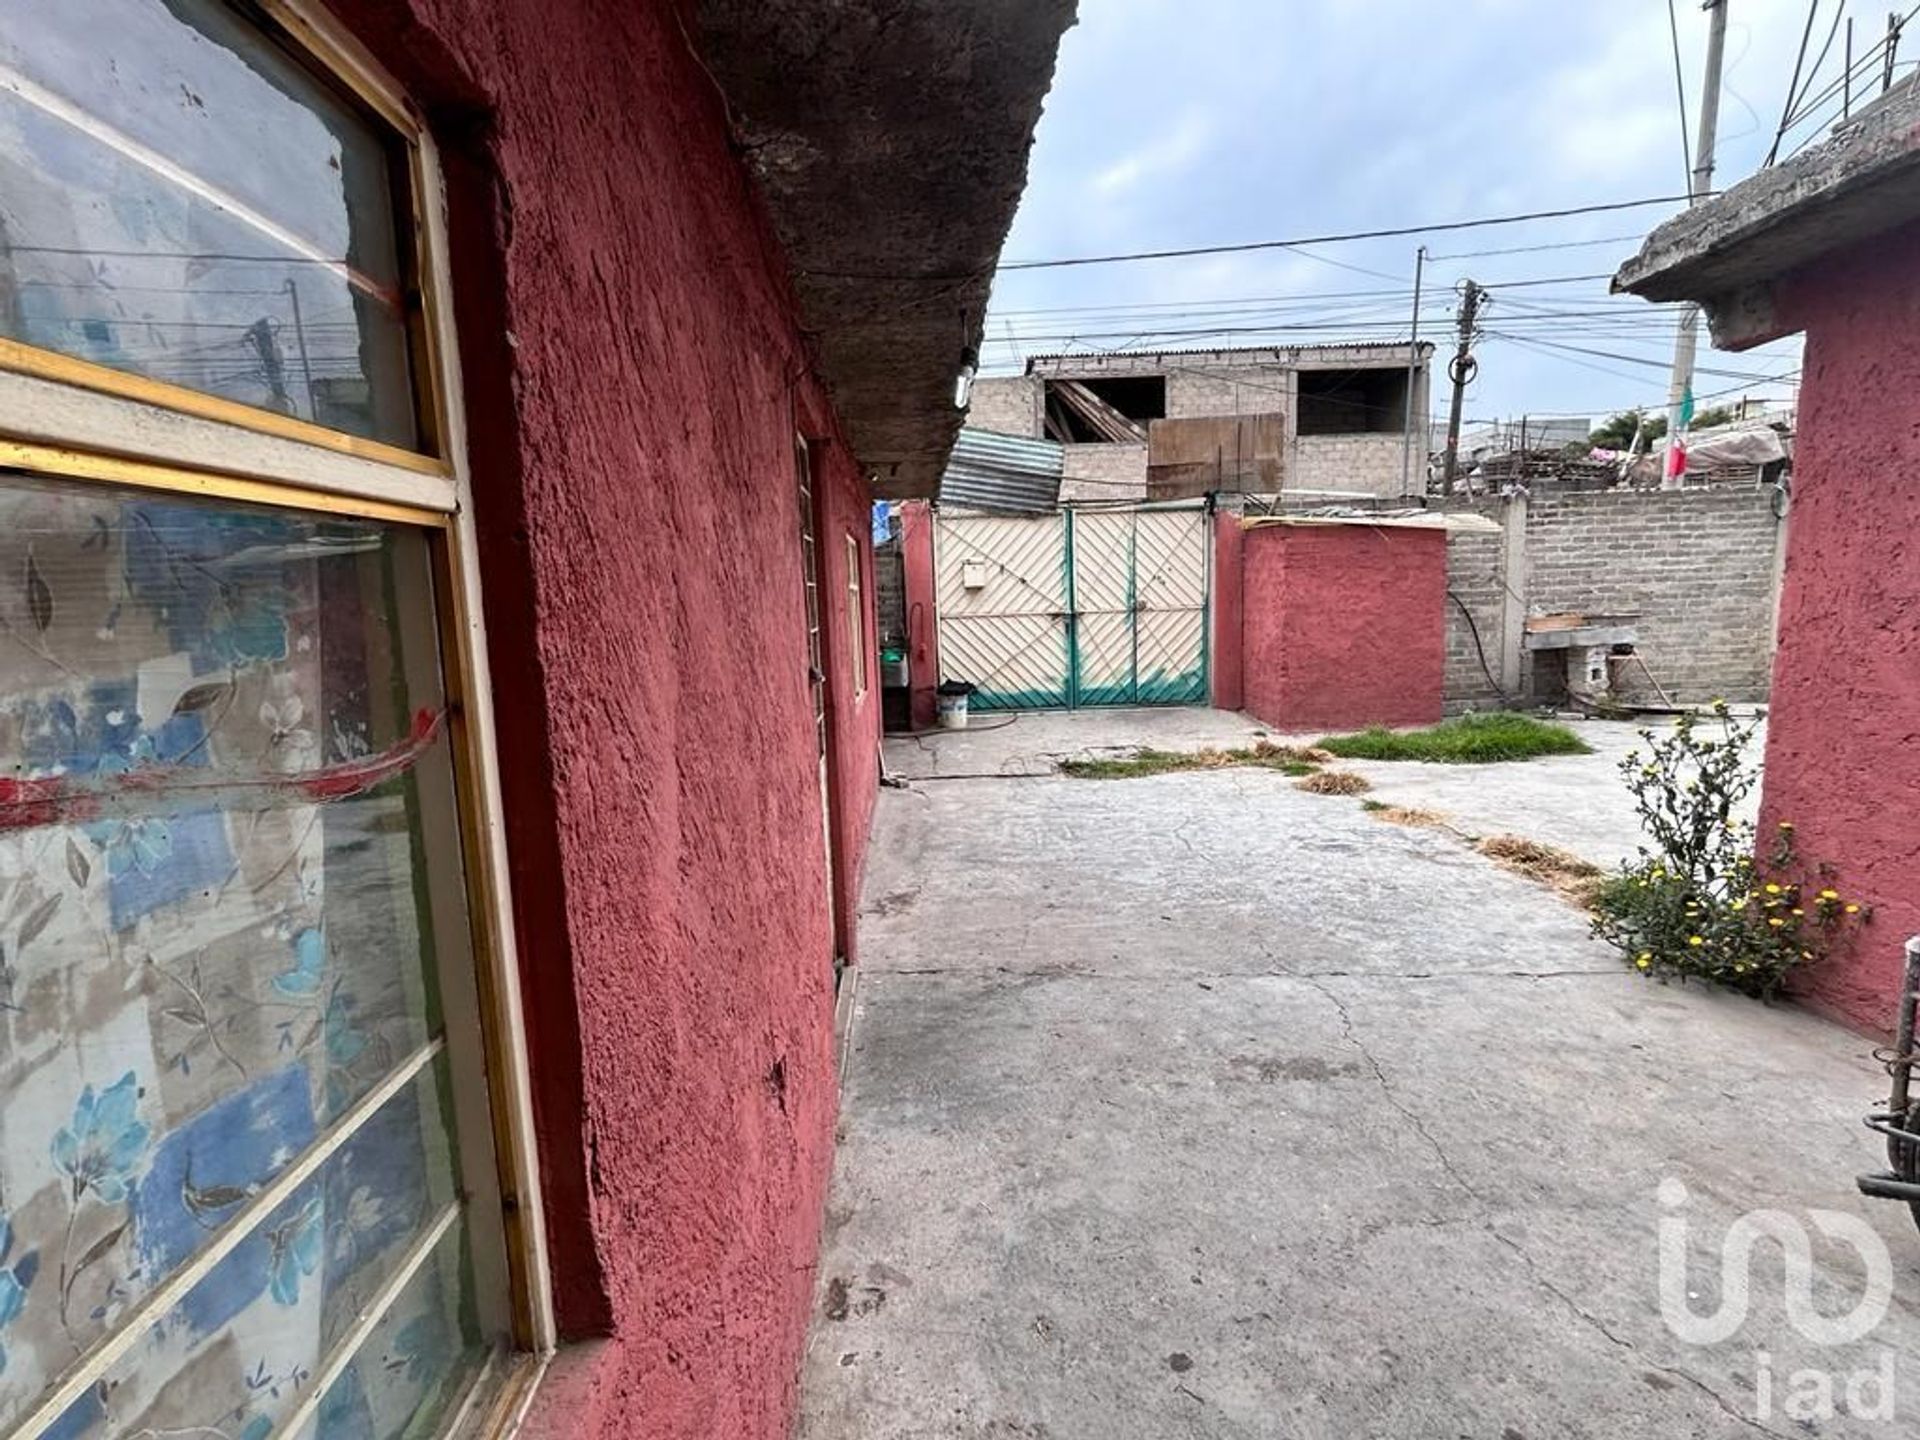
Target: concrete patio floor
(1198,1106)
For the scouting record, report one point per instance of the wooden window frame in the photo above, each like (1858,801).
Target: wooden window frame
(70,419)
(856,618)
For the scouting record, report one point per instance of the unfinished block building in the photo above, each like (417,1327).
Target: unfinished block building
(1171,424)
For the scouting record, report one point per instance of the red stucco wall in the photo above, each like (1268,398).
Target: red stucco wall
(1229,690)
(923,637)
(1843,743)
(635,375)
(1343,625)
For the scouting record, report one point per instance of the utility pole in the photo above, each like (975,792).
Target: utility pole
(1893,48)
(1460,370)
(300,339)
(1680,388)
(1413,379)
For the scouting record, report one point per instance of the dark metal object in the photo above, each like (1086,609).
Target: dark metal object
(1900,1121)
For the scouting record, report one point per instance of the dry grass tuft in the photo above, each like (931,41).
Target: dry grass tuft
(1566,874)
(1410,815)
(1334,782)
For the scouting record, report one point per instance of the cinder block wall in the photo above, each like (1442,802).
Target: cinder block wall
(1370,464)
(1007,404)
(1476,611)
(1104,472)
(1697,565)
(1696,568)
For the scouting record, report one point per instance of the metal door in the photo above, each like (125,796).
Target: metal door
(1139,606)
(1000,586)
(1088,607)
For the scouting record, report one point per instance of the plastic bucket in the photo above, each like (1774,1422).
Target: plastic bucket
(951,704)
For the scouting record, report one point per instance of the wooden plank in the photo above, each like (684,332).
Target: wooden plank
(1191,457)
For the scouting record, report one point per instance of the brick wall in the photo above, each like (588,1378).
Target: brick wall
(1007,404)
(1476,580)
(1370,464)
(889,591)
(1694,568)
(1104,472)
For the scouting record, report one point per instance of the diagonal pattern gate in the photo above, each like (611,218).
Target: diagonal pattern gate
(1087,607)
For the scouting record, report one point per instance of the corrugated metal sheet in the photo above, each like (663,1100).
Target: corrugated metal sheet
(1011,474)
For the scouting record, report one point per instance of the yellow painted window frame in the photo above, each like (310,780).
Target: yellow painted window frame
(70,419)
(856,618)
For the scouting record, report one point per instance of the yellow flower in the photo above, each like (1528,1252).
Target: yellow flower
(1772,889)
(1776,922)
(1829,894)
(1695,940)
(1799,911)
(1853,909)
(1643,961)
(1786,825)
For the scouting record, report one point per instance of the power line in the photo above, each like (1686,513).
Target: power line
(1289,244)
(1680,89)
(1343,238)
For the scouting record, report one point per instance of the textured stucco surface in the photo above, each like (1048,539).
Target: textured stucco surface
(1228,638)
(1845,733)
(1343,625)
(636,374)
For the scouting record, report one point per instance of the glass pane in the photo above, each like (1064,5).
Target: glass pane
(417,1364)
(227,866)
(244,1347)
(181,199)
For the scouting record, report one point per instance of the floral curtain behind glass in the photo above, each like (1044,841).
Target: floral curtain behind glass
(216,934)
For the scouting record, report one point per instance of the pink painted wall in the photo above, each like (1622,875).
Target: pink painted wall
(1843,743)
(923,633)
(1343,625)
(1229,687)
(635,375)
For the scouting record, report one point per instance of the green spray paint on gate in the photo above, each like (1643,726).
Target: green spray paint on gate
(1125,623)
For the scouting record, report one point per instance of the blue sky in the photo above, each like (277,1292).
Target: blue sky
(1192,122)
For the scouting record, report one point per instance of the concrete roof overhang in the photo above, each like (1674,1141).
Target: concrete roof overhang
(890,140)
(1727,252)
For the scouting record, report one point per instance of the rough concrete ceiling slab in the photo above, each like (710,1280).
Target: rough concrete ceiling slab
(890,139)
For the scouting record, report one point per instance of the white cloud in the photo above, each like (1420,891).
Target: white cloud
(1169,154)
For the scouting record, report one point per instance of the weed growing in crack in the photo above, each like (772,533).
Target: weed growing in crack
(1703,900)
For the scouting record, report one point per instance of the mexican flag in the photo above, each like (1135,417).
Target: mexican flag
(1676,466)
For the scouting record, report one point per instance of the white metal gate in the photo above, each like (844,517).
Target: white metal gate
(1088,607)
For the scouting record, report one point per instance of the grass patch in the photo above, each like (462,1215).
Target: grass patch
(1334,782)
(1463,740)
(1264,755)
(1577,880)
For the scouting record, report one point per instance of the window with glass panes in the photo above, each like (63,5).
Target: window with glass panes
(250,1166)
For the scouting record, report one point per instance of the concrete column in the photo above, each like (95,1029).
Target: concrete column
(923,631)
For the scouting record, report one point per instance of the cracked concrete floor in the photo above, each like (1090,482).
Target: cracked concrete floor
(1200,1106)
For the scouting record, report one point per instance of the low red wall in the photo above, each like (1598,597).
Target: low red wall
(1229,690)
(635,376)
(1843,742)
(1343,625)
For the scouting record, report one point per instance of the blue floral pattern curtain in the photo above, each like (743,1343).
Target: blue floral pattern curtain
(222,899)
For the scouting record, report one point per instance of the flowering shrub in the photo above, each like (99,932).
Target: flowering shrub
(1703,900)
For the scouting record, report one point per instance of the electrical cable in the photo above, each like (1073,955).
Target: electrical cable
(1680,89)
(1479,222)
